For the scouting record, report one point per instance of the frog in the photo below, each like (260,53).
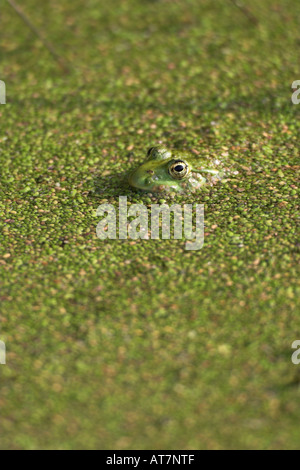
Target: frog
(166,170)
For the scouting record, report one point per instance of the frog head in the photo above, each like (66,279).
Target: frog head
(169,170)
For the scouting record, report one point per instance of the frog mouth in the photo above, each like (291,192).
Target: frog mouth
(151,183)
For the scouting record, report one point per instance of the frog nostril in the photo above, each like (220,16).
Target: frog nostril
(150,172)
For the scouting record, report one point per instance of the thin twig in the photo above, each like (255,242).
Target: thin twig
(38,34)
(245,11)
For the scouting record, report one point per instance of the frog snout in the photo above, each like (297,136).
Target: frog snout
(141,178)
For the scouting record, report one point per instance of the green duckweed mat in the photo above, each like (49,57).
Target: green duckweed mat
(141,344)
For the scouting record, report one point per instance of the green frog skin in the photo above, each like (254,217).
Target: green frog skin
(172,170)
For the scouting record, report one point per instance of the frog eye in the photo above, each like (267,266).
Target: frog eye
(158,153)
(150,150)
(179,169)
